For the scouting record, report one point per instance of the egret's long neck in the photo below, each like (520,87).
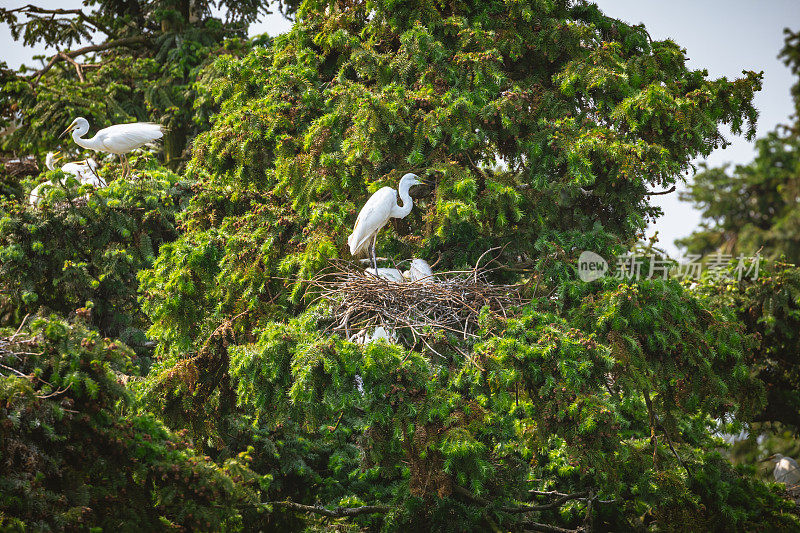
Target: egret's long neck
(89,144)
(401,211)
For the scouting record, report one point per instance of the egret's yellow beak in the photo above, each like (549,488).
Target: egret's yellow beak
(57,155)
(69,129)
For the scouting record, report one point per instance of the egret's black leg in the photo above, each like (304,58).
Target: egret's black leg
(374,256)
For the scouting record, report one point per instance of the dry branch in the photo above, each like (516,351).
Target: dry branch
(127,41)
(339,512)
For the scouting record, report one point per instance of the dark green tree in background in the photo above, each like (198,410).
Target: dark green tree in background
(754,208)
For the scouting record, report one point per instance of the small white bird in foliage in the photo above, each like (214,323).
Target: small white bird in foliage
(118,139)
(389,274)
(786,469)
(420,271)
(380,207)
(363,337)
(49,162)
(84,171)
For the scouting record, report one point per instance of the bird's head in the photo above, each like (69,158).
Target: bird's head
(409,180)
(79,125)
(775,457)
(51,159)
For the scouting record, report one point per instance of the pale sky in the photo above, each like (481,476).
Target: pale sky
(722,36)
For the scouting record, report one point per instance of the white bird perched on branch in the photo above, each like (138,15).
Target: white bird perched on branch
(380,207)
(84,171)
(786,469)
(389,274)
(118,139)
(419,270)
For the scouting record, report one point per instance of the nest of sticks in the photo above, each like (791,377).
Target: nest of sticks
(447,302)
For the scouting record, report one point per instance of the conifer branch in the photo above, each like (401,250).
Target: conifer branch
(338,512)
(515,509)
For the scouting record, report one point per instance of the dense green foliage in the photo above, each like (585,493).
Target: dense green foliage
(540,127)
(76,251)
(76,456)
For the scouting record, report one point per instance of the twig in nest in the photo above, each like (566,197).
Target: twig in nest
(450,302)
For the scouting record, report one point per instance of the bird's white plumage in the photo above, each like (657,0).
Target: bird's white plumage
(122,138)
(85,171)
(786,470)
(372,217)
(118,139)
(389,274)
(420,271)
(377,211)
(364,337)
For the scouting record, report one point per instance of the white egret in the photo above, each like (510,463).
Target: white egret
(389,274)
(117,139)
(84,171)
(380,207)
(49,162)
(419,270)
(362,337)
(786,469)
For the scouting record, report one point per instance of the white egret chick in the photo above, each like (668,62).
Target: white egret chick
(85,171)
(786,469)
(363,337)
(380,207)
(117,139)
(389,274)
(50,162)
(419,270)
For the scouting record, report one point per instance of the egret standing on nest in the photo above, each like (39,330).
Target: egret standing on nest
(118,139)
(380,207)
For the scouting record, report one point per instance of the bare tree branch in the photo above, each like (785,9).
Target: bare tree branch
(127,41)
(536,526)
(671,189)
(339,512)
(522,508)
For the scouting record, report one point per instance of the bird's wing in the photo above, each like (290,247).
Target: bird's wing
(372,217)
(122,138)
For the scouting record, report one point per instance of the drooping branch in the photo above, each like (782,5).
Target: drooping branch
(127,41)
(339,512)
(516,509)
(658,193)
